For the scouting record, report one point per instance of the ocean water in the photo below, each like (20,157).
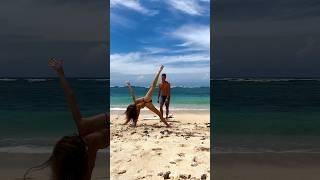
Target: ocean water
(248,115)
(266,115)
(182,98)
(34,113)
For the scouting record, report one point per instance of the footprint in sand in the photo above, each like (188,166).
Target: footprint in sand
(137,147)
(117,162)
(183,145)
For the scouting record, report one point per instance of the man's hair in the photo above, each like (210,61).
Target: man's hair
(164,75)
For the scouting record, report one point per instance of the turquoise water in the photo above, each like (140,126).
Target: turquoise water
(267,115)
(34,113)
(248,114)
(182,98)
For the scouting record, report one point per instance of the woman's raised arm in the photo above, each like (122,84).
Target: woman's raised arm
(131,92)
(71,99)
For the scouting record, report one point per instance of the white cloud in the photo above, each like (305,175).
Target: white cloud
(155,50)
(138,63)
(190,7)
(194,37)
(122,21)
(133,5)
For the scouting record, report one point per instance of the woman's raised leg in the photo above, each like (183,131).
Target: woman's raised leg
(149,94)
(156,111)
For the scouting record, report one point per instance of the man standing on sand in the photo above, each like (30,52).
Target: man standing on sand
(164,91)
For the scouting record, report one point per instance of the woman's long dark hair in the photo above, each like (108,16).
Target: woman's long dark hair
(132,113)
(68,161)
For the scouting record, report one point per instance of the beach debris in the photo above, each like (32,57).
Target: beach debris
(166,132)
(194,159)
(194,164)
(204,149)
(160,174)
(140,177)
(133,132)
(181,154)
(172,162)
(166,175)
(183,176)
(122,171)
(156,149)
(203,176)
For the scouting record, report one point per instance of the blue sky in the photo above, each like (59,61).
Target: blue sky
(147,33)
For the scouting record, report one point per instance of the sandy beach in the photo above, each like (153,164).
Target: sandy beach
(152,151)
(14,165)
(266,166)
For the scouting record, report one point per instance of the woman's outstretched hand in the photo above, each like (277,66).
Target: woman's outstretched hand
(56,65)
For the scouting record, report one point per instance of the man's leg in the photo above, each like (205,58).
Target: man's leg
(161,108)
(167,107)
(161,105)
(167,111)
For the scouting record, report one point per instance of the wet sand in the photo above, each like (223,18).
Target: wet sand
(14,165)
(266,166)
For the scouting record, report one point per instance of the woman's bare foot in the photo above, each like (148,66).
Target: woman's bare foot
(161,67)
